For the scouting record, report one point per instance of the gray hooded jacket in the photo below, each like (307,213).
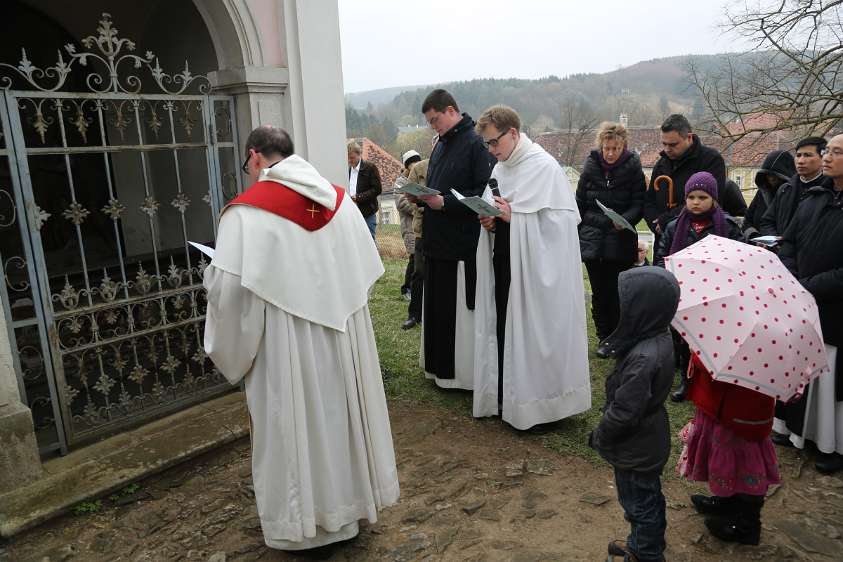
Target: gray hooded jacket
(634,433)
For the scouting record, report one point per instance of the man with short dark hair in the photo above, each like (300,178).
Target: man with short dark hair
(808,174)
(364,185)
(682,156)
(810,249)
(287,313)
(450,231)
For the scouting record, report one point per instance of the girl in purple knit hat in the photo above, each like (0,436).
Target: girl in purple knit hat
(701,216)
(738,461)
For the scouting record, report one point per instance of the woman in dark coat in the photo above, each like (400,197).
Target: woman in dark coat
(613,175)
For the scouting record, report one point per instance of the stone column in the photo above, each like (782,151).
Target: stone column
(316,99)
(19,459)
(259,95)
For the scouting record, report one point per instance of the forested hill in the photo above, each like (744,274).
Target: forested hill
(645,92)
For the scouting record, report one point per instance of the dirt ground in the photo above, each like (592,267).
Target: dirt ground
(471,491)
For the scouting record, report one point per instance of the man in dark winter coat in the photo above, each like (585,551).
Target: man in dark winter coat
(683,156)
(612,175)
(634,434)
(808,174)
(450,230)
(776,170)
(811,251)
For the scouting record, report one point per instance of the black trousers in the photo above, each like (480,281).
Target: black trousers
(414,310)
(408,275)
(605,306)
(440,313)
(503,277)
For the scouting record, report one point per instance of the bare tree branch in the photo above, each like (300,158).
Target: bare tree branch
(793,76)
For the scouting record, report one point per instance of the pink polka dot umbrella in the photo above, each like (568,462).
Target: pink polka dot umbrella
(747,318)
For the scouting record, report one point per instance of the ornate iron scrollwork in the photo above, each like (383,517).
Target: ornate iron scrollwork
(111,52)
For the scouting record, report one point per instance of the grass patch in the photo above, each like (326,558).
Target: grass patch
(404,379)
(85,508)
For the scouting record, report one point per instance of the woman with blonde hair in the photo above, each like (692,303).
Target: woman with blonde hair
(613,176)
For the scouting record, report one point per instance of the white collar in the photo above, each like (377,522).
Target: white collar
(812,179)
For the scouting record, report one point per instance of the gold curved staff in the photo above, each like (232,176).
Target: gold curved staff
(669,180)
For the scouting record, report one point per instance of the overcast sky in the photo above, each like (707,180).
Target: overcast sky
(389,43)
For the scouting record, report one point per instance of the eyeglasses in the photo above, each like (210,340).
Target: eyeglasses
(245,166)
(493,143)
(834,153)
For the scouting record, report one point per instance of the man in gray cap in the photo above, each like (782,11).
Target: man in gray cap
(405,212)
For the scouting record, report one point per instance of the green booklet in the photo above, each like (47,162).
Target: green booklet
(415,189)
(477,204)
(615,217)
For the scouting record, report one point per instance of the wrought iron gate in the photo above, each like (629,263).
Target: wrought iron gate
(100,191)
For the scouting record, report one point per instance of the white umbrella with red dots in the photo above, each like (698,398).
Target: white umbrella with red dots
(747,318)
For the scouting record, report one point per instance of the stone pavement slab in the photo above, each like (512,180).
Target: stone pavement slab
(112,463)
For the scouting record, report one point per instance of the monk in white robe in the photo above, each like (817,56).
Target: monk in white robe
(531,346)
(287,310)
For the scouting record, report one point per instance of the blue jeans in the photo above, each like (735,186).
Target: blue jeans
(372,223)
(640,495)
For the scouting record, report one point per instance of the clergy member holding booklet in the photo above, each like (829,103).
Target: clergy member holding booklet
(531,348)
(287,310)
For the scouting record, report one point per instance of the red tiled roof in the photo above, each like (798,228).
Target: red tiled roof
(388,166)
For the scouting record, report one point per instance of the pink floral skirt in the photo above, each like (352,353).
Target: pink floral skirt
(731,465)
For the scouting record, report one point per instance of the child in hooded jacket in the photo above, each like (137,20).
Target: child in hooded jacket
(634,434)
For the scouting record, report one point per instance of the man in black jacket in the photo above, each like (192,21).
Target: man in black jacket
(683,156)
(776,170)
(808,174)
(450,230)
(811,251)
(364,185)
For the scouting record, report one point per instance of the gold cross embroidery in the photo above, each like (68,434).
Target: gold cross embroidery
(312,210)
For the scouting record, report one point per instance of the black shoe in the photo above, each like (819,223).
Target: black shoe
(618,547)
(713,505)
(604,351)
(781,439)
(735,529)
(679,394)
(409,323)
(829,463)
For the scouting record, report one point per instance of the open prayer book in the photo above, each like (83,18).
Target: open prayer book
(477,204)
(615,217)
(768,241)
(402,185)
(207,250)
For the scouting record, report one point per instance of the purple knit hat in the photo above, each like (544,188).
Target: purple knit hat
(702,181)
